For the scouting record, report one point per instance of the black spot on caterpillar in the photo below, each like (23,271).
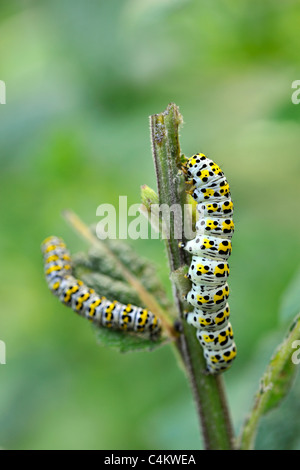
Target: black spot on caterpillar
(85,301)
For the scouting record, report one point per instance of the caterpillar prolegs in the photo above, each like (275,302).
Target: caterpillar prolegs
(209,268)
(84,301)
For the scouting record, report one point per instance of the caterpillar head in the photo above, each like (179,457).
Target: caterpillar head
(195,160)
(194,164)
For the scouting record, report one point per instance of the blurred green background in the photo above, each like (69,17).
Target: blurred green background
(82,78)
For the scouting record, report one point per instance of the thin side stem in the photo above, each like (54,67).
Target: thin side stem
(208,390)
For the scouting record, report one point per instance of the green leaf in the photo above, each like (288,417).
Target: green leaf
(96,261)
(274,386)
(149,197)
(104,286)
(281,371)
(290,301)
(125,341)
(98,270)
(281,385)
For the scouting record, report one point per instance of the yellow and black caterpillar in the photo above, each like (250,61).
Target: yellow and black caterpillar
(209,268)
(84,300)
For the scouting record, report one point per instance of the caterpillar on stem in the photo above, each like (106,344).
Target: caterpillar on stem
(209,269)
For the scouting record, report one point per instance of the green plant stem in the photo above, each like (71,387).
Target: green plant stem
(279,370)
(208,390)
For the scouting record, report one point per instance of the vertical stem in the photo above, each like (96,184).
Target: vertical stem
(208,390)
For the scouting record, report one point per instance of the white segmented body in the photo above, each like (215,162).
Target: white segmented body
(85,301)
(209,269)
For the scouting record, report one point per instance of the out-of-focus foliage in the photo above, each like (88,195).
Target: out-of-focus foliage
(82,78)
(275,384)
(290,299)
